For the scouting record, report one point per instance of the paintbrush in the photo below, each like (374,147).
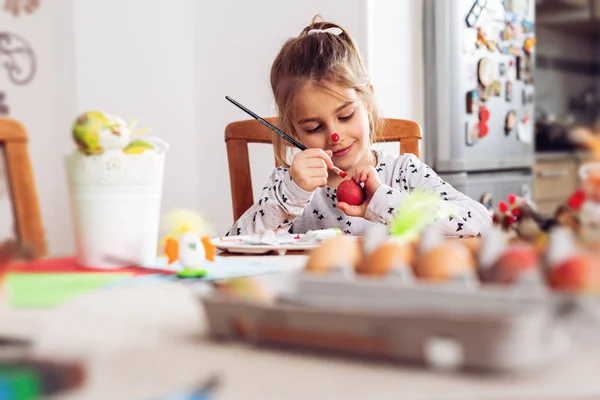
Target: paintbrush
(282,134)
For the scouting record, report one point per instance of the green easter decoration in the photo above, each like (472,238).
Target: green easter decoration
(138,147)
(95,132)
(416,213)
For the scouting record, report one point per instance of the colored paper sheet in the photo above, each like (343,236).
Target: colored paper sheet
(53,289)
(69,264)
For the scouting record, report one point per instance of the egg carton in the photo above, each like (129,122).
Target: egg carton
(489,327)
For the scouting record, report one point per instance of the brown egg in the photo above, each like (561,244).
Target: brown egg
(471,243)
(445,261)
(340,250)
(245,288)
(391,254)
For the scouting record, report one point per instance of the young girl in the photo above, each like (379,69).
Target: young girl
(325,101)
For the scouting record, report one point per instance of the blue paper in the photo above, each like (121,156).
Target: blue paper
(221,268)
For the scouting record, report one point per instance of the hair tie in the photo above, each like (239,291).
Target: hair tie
(334,30)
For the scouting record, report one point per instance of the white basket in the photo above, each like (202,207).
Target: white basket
(115,202)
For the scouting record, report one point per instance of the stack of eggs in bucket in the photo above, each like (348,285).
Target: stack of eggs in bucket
(95,132)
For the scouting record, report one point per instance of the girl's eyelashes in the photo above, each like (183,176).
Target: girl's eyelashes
(347,117)
(314,129)
(343,119)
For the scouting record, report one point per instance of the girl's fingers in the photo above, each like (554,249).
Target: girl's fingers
(361,175)
(353,211)
(319,181)
(317,172)
(314,163)
(326,156)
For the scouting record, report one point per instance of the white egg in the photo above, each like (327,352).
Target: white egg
(111,141)
(191,251)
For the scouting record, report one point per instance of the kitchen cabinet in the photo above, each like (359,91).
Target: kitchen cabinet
(575,16)
(556,178)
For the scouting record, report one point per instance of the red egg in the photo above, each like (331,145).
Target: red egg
(516,261)
(580,272)
(351,192)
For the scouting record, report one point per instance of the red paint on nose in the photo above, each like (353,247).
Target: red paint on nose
(335,137)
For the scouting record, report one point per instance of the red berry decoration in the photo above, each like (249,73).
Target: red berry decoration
(576,199)
(502,206)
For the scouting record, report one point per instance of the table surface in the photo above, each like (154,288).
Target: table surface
(148,341)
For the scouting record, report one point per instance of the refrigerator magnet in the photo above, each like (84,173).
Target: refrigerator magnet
(485,71)
(508,91)
(482,40)
(508,33)
(529,45)
(528,26)
(510,17)
(510,121)
(475,12)
(484,118)
(528,95)
(525,130)
(483,129)
(512,70)
(495,88)
(484,93)
(520,67)
(502,69)
(472,99)
(472,132)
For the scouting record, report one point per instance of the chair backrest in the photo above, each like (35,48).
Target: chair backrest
(239,134)
(22,190)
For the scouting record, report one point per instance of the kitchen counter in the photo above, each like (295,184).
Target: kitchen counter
(579,155)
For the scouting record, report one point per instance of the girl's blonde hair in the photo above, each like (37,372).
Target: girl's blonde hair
(319,59)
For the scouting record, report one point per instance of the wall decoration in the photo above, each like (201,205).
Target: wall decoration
(3,106)
(17,58)
(15,7)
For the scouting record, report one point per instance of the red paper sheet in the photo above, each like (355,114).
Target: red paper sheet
(69,264)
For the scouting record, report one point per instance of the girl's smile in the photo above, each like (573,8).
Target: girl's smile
(342,152)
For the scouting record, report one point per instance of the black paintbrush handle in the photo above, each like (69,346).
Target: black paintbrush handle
(268,125)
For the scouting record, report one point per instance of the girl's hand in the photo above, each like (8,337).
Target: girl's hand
(369,176)
(309,168)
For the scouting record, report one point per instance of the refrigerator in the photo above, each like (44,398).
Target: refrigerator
(479,95)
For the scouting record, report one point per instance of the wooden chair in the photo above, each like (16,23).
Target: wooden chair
(29,228)
(239,134)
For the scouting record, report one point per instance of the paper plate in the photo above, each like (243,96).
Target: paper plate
(235,244)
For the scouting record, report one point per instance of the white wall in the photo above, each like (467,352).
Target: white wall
(395,59)
(171,63)
(136,58)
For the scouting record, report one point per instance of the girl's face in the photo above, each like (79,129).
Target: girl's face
(320,112)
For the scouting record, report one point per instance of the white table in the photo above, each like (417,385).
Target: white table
(146,341)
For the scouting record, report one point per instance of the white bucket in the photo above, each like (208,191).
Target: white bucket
(115,203)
